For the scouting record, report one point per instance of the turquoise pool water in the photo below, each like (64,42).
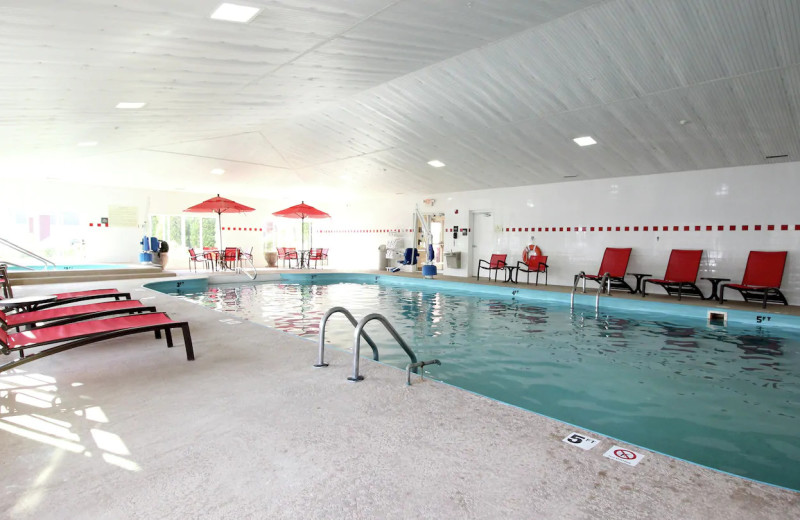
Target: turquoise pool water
(725,397)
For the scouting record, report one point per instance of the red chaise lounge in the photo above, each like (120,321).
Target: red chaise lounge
(72,335)
(615,263)
(681,275)
(63,315)
(762,278)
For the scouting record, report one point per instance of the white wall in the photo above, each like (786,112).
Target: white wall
(746,196)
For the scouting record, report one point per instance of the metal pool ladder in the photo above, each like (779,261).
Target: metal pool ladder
(605,280)
(357,335)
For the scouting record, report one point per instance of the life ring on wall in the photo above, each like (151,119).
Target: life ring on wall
(529,251)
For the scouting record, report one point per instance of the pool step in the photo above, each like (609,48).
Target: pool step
(86,275)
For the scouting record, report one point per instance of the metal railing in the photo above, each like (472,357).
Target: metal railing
(604,281)
(333,310)
(357,343)
(24,251)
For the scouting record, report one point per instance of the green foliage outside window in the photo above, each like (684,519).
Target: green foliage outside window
(209,232)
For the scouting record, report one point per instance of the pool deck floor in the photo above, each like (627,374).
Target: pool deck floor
(250,429)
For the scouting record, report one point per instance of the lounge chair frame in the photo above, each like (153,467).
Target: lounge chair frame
(94,338)
(78,316)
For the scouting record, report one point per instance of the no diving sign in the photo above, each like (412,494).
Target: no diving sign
(624,455)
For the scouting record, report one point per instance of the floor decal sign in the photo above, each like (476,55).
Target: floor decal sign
(581,441)
(626,456)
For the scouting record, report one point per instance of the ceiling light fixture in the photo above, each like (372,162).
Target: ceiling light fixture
(436,163)
(87,143)
(235,13)
(217,171)
(128,104)
(584,141)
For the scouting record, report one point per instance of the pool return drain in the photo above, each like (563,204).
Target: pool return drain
(717,318)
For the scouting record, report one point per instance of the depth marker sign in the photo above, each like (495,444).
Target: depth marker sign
(581,441)
(620,454)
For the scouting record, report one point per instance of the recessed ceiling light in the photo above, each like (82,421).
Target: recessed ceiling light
(87,143)
(235,13)
(584,141)
(436,163)
(128,104)
(217,171)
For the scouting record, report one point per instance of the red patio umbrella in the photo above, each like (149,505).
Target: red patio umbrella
(301,211)
(219,205)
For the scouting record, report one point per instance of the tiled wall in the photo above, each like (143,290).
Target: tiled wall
(726,212)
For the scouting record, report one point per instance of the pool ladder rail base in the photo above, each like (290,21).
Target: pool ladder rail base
(358,334)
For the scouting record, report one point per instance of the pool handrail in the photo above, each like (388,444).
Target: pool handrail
(324,321)
(357,343)
(605,280)
(24,251)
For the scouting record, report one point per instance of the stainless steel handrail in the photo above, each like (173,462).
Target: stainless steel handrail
(357,342)
(578,276)
(324,321)
(247,258)
(24,251)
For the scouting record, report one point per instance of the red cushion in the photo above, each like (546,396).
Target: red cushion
(84,328)
(12,320)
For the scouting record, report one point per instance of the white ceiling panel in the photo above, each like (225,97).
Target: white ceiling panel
(355,96)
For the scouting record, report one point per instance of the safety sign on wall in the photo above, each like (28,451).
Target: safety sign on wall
(581,441)
(624,455)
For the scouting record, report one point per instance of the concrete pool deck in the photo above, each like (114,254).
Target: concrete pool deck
(130,429)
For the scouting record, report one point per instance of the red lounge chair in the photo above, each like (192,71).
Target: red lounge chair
(681,274)
(64,298)
(495,263)
(762,278)
(62,315)
(316,256)
(615,263)
(79,296)
(74,335)
(535,264)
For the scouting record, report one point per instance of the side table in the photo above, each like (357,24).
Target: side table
(714,283)
(639,277)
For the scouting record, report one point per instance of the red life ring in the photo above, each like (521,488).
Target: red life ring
(529,251)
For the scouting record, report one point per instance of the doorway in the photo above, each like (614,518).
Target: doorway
(481,238)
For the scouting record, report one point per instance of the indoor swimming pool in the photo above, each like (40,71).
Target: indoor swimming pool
(726,397)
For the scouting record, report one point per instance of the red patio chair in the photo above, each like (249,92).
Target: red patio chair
(495,263)
(62,315)
(290,254)
(230,258)
(194,258)
(535,264)
(72,335)
(615,263)
(325,255)
(315,255)
(681,274)
(763,275)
